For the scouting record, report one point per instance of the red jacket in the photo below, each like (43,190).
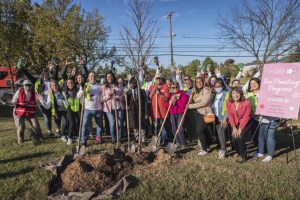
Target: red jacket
(241,116)
(162,107)
(24,108)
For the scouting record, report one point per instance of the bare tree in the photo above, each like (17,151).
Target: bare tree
(138,40)
(266,28)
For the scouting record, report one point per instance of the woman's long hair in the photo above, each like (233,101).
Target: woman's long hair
(114,80)
(73,90)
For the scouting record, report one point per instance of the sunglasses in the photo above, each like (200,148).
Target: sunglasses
(186,79)
(28,85)
(174,87)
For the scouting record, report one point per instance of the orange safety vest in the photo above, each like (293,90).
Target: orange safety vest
(24,109)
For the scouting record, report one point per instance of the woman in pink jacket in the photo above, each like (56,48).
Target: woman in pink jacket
(240,119)
(113,96)
(178,102)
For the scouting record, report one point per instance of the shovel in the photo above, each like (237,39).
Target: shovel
(128,148)
(117,151)
(171,147)
(80,150)
(155,139)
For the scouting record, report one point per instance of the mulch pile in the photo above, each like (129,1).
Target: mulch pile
(98,172)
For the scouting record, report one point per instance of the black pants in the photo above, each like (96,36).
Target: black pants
(73,123)
(239,143)
(188,124)
(200,127)
(252,130)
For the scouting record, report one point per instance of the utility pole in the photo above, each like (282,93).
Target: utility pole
(171,36)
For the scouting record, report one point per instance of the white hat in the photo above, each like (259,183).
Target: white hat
(27,82)
(157,75)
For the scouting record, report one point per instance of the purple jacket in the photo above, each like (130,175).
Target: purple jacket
(179,105)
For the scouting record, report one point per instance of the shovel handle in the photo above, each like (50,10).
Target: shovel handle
(81,119)
(183,116)
(116,119)
(127,119)
(165,119)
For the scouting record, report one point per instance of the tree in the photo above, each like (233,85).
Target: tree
(62,29)
(138,40)
(295,56)
(191,68)
(210,64)
(266,29)
(13,32)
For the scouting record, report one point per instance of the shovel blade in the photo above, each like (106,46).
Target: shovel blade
(154,140)
(171,147)
(130,148)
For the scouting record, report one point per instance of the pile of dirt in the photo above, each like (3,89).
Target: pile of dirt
(98,172)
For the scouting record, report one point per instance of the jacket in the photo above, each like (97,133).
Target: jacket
(108,103)
(161,103)
(240,117)
(179,105)
(221,105)
(202,102)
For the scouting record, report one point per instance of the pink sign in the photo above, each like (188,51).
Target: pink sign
(279,94)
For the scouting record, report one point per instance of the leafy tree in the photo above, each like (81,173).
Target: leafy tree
(14,33)
(295,56)
(210,64)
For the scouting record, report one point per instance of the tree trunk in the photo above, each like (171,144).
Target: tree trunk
(11,77)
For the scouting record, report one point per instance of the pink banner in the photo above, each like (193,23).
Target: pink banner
(279,94)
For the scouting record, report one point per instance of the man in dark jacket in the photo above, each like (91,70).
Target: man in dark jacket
(133,107)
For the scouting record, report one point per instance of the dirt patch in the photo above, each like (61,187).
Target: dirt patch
(98,172)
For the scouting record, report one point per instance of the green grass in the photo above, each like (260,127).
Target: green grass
(191,177)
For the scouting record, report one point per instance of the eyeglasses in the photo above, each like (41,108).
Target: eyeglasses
(186,79)
(28,85)
(174,87)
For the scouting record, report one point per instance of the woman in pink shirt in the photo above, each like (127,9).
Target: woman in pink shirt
(178,101)
(240,119)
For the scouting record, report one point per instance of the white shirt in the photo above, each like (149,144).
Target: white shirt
(94,102)
(47,86)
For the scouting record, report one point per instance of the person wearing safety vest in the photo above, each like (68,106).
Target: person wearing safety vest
(25,102)
(92,107)
(73,109)
(57,103)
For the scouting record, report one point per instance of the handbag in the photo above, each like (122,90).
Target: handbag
(208,118)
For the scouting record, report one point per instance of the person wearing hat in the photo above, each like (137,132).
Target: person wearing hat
(162,93)
(25,102)
(133,109)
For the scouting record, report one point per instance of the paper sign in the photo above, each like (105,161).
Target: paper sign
(279,94)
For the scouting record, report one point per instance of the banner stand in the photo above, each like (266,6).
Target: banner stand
(295,154)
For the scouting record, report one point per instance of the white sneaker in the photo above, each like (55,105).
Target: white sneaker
(258,155)
(202,153)
(69,141)
(267,159)
(63,138)
(222,154)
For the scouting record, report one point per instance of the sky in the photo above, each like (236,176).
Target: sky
(194,23)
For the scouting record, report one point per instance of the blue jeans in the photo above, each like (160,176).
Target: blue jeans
(112,123)
(87,118)
(60,120)
(47,117)
(266,135)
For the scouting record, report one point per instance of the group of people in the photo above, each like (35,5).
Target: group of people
(209,107)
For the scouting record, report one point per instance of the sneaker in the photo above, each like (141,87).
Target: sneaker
(242,160)
(267,159)
(202,153)
(222,154)
(98,139)
(69,141)
(63,138)
(57,134)
(257,155)
(235,155)
(50,134)
(183,147)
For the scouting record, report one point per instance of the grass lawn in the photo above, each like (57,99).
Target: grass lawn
(190,178)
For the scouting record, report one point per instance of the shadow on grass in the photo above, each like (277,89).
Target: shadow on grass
(24,157)
(12,174)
